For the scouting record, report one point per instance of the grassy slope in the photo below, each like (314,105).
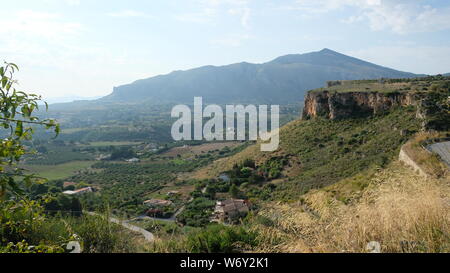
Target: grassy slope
(401,210)
(368,87)
(429,163)
(322,152)
(389,85)
(362,193)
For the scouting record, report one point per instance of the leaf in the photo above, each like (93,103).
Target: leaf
(14,65)
(19,129)
(57,130)
(26,111)
(13,185)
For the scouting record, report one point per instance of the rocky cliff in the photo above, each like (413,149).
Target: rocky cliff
(339,105)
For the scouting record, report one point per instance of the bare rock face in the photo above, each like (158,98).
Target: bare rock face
(340,105)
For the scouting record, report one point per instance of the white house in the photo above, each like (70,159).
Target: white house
(133,160)
(79,191)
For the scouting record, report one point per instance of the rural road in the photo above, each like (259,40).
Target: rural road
(442,149)
(147,235)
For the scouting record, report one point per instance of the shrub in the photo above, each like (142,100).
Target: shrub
(221,239)
(197,213)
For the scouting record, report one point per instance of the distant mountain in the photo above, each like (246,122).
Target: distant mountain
(70,98)
(447,74)
(282,80)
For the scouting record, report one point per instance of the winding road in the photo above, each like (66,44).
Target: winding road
(147,235)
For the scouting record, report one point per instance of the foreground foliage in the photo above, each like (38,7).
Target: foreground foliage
(25,227)
(211,239)
(400,210)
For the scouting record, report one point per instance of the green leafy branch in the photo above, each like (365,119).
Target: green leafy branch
(17,114)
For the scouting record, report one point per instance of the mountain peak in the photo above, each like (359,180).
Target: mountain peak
(284,79)
(315,57)
(327,50)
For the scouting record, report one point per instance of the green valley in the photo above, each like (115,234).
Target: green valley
(337,168)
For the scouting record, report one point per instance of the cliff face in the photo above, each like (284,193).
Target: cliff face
(339,105)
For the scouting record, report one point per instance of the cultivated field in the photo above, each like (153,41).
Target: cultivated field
(59,171)
(199,149)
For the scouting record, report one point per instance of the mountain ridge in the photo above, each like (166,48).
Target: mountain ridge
(282,80)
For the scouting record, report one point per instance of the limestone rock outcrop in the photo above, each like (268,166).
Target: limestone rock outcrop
(340,105)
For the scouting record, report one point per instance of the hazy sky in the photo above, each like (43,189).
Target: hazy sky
(85,47)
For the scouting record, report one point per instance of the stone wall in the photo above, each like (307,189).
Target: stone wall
(407,160)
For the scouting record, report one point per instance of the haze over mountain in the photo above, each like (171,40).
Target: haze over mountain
(282,80)
(69,98)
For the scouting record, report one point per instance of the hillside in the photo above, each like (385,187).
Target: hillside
(282,80)
(398,209)
(320,150)
(335,185)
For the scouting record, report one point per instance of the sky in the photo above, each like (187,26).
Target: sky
(83,48)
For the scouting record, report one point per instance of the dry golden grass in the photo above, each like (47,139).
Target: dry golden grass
(428,162)
(401,210)
(169,244)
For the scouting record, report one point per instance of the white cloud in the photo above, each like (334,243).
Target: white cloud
(398,16)
(127,14)
(73,2)
(205,15)
(46,47)
(210,10)
(225,2)
(244,13)
(38,24)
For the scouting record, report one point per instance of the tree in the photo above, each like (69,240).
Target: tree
(69,188)
(17,116)
(249,163)
(234,191)
(122,153)
(76,207)
(210,192)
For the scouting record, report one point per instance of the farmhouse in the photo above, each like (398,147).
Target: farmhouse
(79,191)
(229,210)
(133,160)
